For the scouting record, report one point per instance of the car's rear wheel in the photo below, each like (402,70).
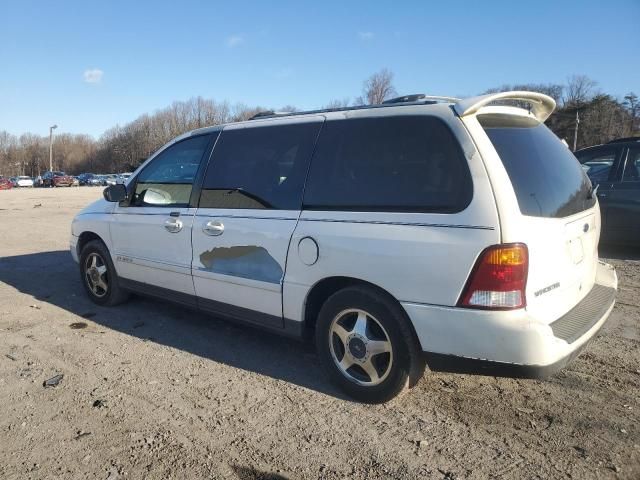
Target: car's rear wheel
(99,276)
(366,345)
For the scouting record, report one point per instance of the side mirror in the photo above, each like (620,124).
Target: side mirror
(115,193)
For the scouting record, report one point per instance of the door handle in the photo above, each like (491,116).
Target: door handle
(173,225)
(213,228)
(601,194)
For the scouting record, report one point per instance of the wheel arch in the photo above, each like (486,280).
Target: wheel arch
(323,289)
(86,237)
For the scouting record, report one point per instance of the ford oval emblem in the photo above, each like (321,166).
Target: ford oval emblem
(585,229)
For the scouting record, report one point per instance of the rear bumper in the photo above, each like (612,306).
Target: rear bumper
(512,343)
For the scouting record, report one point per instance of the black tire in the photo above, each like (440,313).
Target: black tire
(404,365)
(113,294)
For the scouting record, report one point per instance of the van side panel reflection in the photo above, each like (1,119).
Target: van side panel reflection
(246,261)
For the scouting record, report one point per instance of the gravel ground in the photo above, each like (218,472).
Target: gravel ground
(153,391)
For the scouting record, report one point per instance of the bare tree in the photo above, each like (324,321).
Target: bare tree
(378,88)
(632,104)
(344,103)
(579,89)
(554,90)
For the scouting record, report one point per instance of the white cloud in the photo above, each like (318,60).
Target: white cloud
(93,75)
(366,35)
(235,40)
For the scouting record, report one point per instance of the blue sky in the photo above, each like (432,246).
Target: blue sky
(88,65)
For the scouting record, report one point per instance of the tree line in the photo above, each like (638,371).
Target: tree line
(599,117)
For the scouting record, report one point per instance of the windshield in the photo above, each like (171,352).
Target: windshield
(547,178)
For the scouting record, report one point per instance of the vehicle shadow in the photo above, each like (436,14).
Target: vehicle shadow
(53,277)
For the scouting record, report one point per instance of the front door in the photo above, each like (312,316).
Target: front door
(249,206)
(151,233)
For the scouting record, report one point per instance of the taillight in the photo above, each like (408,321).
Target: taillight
(498,279)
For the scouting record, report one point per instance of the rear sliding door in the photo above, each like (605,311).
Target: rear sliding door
(249,207)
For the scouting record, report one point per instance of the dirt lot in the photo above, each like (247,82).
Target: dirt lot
(153,391)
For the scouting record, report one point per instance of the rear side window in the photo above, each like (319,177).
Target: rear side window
(262,167)
(547,178)
(403,163)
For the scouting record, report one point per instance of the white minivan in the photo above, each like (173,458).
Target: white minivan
(458,233)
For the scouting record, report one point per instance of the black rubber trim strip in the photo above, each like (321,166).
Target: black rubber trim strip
(281,326)
(581,318)
(158,292)
(412,224)
(239,313)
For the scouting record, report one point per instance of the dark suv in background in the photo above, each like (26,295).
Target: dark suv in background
(615,168)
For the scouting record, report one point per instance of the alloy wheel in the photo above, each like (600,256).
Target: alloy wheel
(360,347)
(96,274)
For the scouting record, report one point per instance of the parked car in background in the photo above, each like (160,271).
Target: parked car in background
(103,180)
(95,181)
(37,182)
(24,181)
(450,230)
(614,168)
(14,181)
(111,179)
(85,177)
(5,183)
(56,179)
(123,177)
(76,182)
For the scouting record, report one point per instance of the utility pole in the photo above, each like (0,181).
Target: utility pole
(575,133)
(51,146)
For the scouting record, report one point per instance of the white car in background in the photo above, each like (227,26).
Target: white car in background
(123,177)
(453,231)
(24,181)
(111,179)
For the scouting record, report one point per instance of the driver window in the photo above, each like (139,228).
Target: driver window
(167,181)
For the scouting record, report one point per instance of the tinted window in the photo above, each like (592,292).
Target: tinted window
(403,163)
(261,167)
(547,178)
(598,164)
(168,179)
(632,168)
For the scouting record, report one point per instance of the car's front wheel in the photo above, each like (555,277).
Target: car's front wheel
(366,345)
(99,276)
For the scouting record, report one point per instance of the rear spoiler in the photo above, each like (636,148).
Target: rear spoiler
(541,105)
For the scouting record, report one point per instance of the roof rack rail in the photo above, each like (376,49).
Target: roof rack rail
(269,113)
(625,139)
(407,100)
(420,97)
